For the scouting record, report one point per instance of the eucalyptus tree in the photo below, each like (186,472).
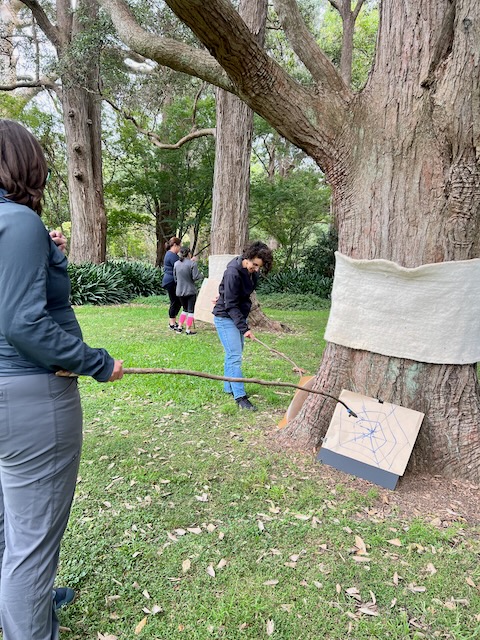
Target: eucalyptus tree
(168,188)
(72,31)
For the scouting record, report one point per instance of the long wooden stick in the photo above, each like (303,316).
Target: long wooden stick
(212,376)
(282,355)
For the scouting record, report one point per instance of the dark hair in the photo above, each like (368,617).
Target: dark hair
(169,244)
(184,253)
(23,168)
(259,250)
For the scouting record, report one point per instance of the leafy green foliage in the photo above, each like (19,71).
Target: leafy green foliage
(112,282)
(364,38)
(314,276)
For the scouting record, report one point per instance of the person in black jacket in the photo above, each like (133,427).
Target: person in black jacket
(231,312)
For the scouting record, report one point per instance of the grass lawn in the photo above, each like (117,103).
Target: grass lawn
(188,524)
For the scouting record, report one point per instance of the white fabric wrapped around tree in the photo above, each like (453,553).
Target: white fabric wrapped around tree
(429,313)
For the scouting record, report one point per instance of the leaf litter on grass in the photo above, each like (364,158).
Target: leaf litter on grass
(144,494)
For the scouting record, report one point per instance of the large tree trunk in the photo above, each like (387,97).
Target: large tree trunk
(410,192)
(231,177)
(83,128)
(81,109)
(403,161)
(231,180)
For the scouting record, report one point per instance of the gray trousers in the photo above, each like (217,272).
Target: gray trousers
(40,444)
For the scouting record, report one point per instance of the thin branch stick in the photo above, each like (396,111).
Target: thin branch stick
(212,376)
(282,355)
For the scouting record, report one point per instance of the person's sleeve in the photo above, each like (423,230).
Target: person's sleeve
(231,297)
(24,319)
(196,275)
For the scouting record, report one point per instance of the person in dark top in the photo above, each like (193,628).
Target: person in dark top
(231,312)
(168,282)
(186,273)
(40,413)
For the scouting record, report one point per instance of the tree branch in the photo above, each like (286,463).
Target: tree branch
(307,49)
(155,139)
(49,29)
(311,121)
(41,83)
(358,6)
(166,51)
(212,376)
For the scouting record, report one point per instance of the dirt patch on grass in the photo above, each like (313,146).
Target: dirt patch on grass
(431,497)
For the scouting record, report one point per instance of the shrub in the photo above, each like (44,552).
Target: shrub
(314,277)
(296,281)
(113,282)
(140,278)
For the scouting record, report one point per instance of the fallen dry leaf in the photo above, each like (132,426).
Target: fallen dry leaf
(270,583)
(140,626)
(396,542)
(430,568)
(156,609)
(211,571)
(369,611)
(186,564)
(353,592)
(222,563)
(360,545)
(100,636)
(415,588)
(470,582)
(270,627)
(196,530)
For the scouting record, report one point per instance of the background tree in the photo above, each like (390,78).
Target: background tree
(414,128)
(75,36)
(171,188)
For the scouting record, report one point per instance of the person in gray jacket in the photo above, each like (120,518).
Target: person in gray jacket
(40,413)
(186,273)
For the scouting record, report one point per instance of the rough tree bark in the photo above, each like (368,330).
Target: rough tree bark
(403,160)
(231,179)
(82,120)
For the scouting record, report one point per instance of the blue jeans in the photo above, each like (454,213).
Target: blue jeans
(232,341)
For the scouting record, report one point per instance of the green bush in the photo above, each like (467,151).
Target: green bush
(140,278)
(296,281)
(293,301)
(113,282)
(314,277)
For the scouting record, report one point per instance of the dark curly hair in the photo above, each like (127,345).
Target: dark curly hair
(259,250)
(23,168)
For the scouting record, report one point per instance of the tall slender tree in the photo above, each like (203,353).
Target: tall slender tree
(76,45)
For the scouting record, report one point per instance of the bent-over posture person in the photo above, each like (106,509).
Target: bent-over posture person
(231,312)
(40,413)
(186,273)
